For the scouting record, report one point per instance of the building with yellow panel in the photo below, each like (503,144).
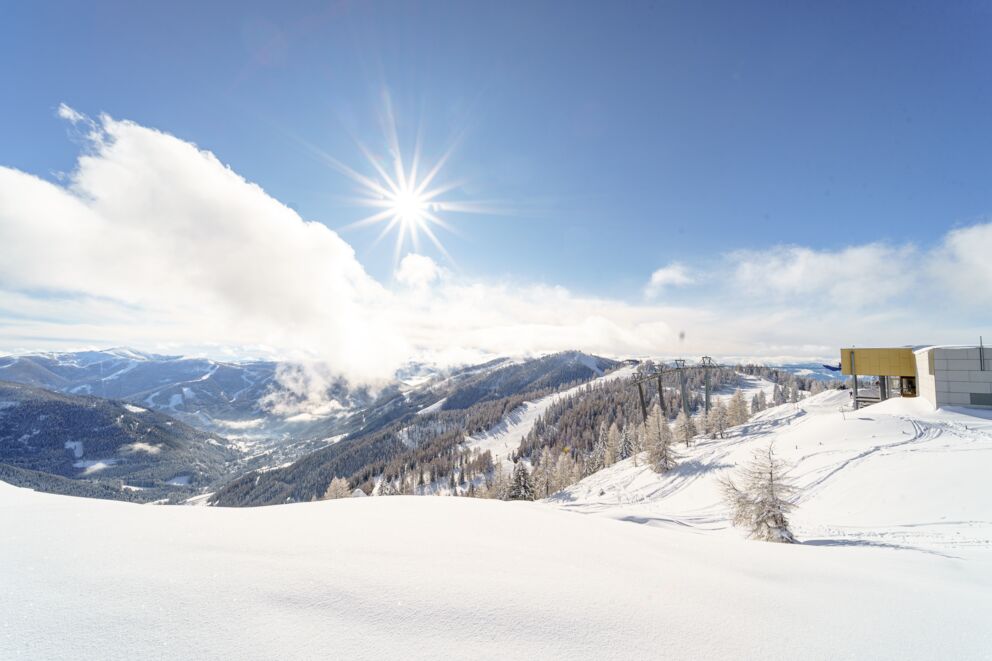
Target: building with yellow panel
(944,375)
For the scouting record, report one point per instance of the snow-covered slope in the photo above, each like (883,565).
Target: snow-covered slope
(503,439)
(425,578)
(897,473)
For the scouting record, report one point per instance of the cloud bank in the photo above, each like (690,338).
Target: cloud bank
(156,243)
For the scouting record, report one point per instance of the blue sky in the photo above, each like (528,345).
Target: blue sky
(621,137)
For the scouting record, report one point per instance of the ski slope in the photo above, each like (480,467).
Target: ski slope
(894,474)
(505,437)
(427,578)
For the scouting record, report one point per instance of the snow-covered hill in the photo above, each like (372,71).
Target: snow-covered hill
(896,562)
(505,437)
(424,578)
(894,474)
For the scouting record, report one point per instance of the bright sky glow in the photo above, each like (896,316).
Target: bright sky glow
(636,173)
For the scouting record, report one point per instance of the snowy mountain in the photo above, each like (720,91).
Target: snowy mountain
(92,446)
(403,421)
(220,397)
(816,371)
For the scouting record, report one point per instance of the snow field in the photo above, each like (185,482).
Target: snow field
(420,578)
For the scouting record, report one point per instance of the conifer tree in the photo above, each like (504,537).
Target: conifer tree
(685,429)
(762,497)
(737,409)
(386,487)
(625,446)
(499,485)
(567,472)
(612,453)
(658,440)
(544,474)
(716,420)
(521,486)
(338,488)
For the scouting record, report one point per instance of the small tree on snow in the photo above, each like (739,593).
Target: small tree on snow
(521,486)
(659,441)
(737,413)
(716,420)
(763,499)
(338,488)
(386,487)
(684,428)
(625,447)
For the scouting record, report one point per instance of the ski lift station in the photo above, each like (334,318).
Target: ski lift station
(943,375)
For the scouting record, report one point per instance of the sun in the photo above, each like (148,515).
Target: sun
(408,206)
(407,198)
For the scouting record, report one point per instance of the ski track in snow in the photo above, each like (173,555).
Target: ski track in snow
(840,461)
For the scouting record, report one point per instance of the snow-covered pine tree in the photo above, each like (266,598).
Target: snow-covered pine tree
(625,446)
(685,429)
(386,487)
(338,488)
(597,459)
(764,497)
(521,486)
(499,485)
(659,442)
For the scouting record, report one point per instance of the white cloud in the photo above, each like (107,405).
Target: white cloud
(673,275)
(70,114)
(190,253)
(417,271)
(853,277)
(963,265)
(155,243)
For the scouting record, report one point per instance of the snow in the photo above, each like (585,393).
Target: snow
(433,408)
(135,409)
(897,473)
(505,437)
(484,579)
(119,373)
(253,423)
(179,481)
(140,446)
(749,387)
(91,466)
(76,447)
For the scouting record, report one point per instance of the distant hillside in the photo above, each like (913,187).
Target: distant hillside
(421,426)
(51,441)
(215,396)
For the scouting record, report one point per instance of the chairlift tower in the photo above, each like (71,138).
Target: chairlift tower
(661,393)
(683,387)
(706,364)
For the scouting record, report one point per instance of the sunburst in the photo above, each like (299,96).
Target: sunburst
(407,198)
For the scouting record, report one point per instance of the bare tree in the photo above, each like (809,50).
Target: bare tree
(338,488)
(764,498)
